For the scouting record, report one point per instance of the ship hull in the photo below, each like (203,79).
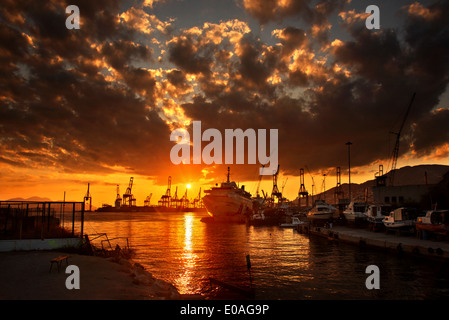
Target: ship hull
(227,207)
(354,217)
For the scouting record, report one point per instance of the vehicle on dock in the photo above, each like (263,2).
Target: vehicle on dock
(435,222)
(375,214)
(355,212)
(401,219)
(321,212)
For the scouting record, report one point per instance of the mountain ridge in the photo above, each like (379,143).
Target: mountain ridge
(431,174)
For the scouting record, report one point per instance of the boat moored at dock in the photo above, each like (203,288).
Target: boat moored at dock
(295,221)
(401,218)
(376,213)
(435,221)
(355,212)
(228,203)
(321,212)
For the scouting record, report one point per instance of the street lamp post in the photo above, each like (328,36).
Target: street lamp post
(349,166)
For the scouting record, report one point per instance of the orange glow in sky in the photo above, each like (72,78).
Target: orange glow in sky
(97,105)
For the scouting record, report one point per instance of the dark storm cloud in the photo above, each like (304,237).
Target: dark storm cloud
(432,132)
(177,78)
(253,67)
(119,54)
(58,108)
(362,107)
(274,10)
(81,100)
(188,56)
(314,14)
(427,31)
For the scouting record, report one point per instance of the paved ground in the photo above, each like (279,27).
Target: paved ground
(26,276)
(408,244)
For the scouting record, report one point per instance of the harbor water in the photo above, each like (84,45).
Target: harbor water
(180,248)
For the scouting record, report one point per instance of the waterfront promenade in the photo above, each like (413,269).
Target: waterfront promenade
(27,276)
(407,244)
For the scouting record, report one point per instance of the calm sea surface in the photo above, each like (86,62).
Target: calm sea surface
(178,247)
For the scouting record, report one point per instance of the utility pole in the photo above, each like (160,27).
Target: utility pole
(349,166)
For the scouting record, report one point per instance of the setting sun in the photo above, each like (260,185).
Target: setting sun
(188,186)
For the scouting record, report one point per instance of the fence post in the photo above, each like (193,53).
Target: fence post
(48,218)
(43,220)
(82,220)
(73,220)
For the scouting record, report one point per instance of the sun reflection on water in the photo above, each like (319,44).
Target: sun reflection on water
(185,282)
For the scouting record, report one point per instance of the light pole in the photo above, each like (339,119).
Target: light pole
(349,165)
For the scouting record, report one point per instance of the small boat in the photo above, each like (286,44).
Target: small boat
(401,218)
(321,212)
(435,221)
(295,222)
(375,214)
(355,212)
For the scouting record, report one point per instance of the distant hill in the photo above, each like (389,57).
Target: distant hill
(415,175)
(29,199)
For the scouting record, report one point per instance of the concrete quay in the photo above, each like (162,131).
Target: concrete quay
(381,240)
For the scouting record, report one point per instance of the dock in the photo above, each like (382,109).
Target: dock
(389,242)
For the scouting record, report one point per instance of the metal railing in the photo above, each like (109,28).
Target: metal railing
(41,219)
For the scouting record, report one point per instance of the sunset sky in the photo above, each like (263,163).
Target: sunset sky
(97,105)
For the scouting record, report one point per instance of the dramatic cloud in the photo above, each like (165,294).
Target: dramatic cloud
(73,99)
(106,97)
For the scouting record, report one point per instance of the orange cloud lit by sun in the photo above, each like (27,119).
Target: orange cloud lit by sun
(417,9)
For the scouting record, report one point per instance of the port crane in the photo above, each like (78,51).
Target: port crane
(146,202)
(174,200)
(302,193)
(197,201)
(88,197)
(398,136)
(283,185)
(258,183)
(128,197)
(275,192)
(184,200)
(338,193)
(324,187)
(166,198)
(313,181)
(118,199)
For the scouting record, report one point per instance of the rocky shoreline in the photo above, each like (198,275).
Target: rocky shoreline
(158,289)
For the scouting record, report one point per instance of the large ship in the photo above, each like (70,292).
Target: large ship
(228,203)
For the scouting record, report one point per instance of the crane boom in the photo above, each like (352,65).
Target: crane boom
(130,186)
(398,137)
(313,181)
